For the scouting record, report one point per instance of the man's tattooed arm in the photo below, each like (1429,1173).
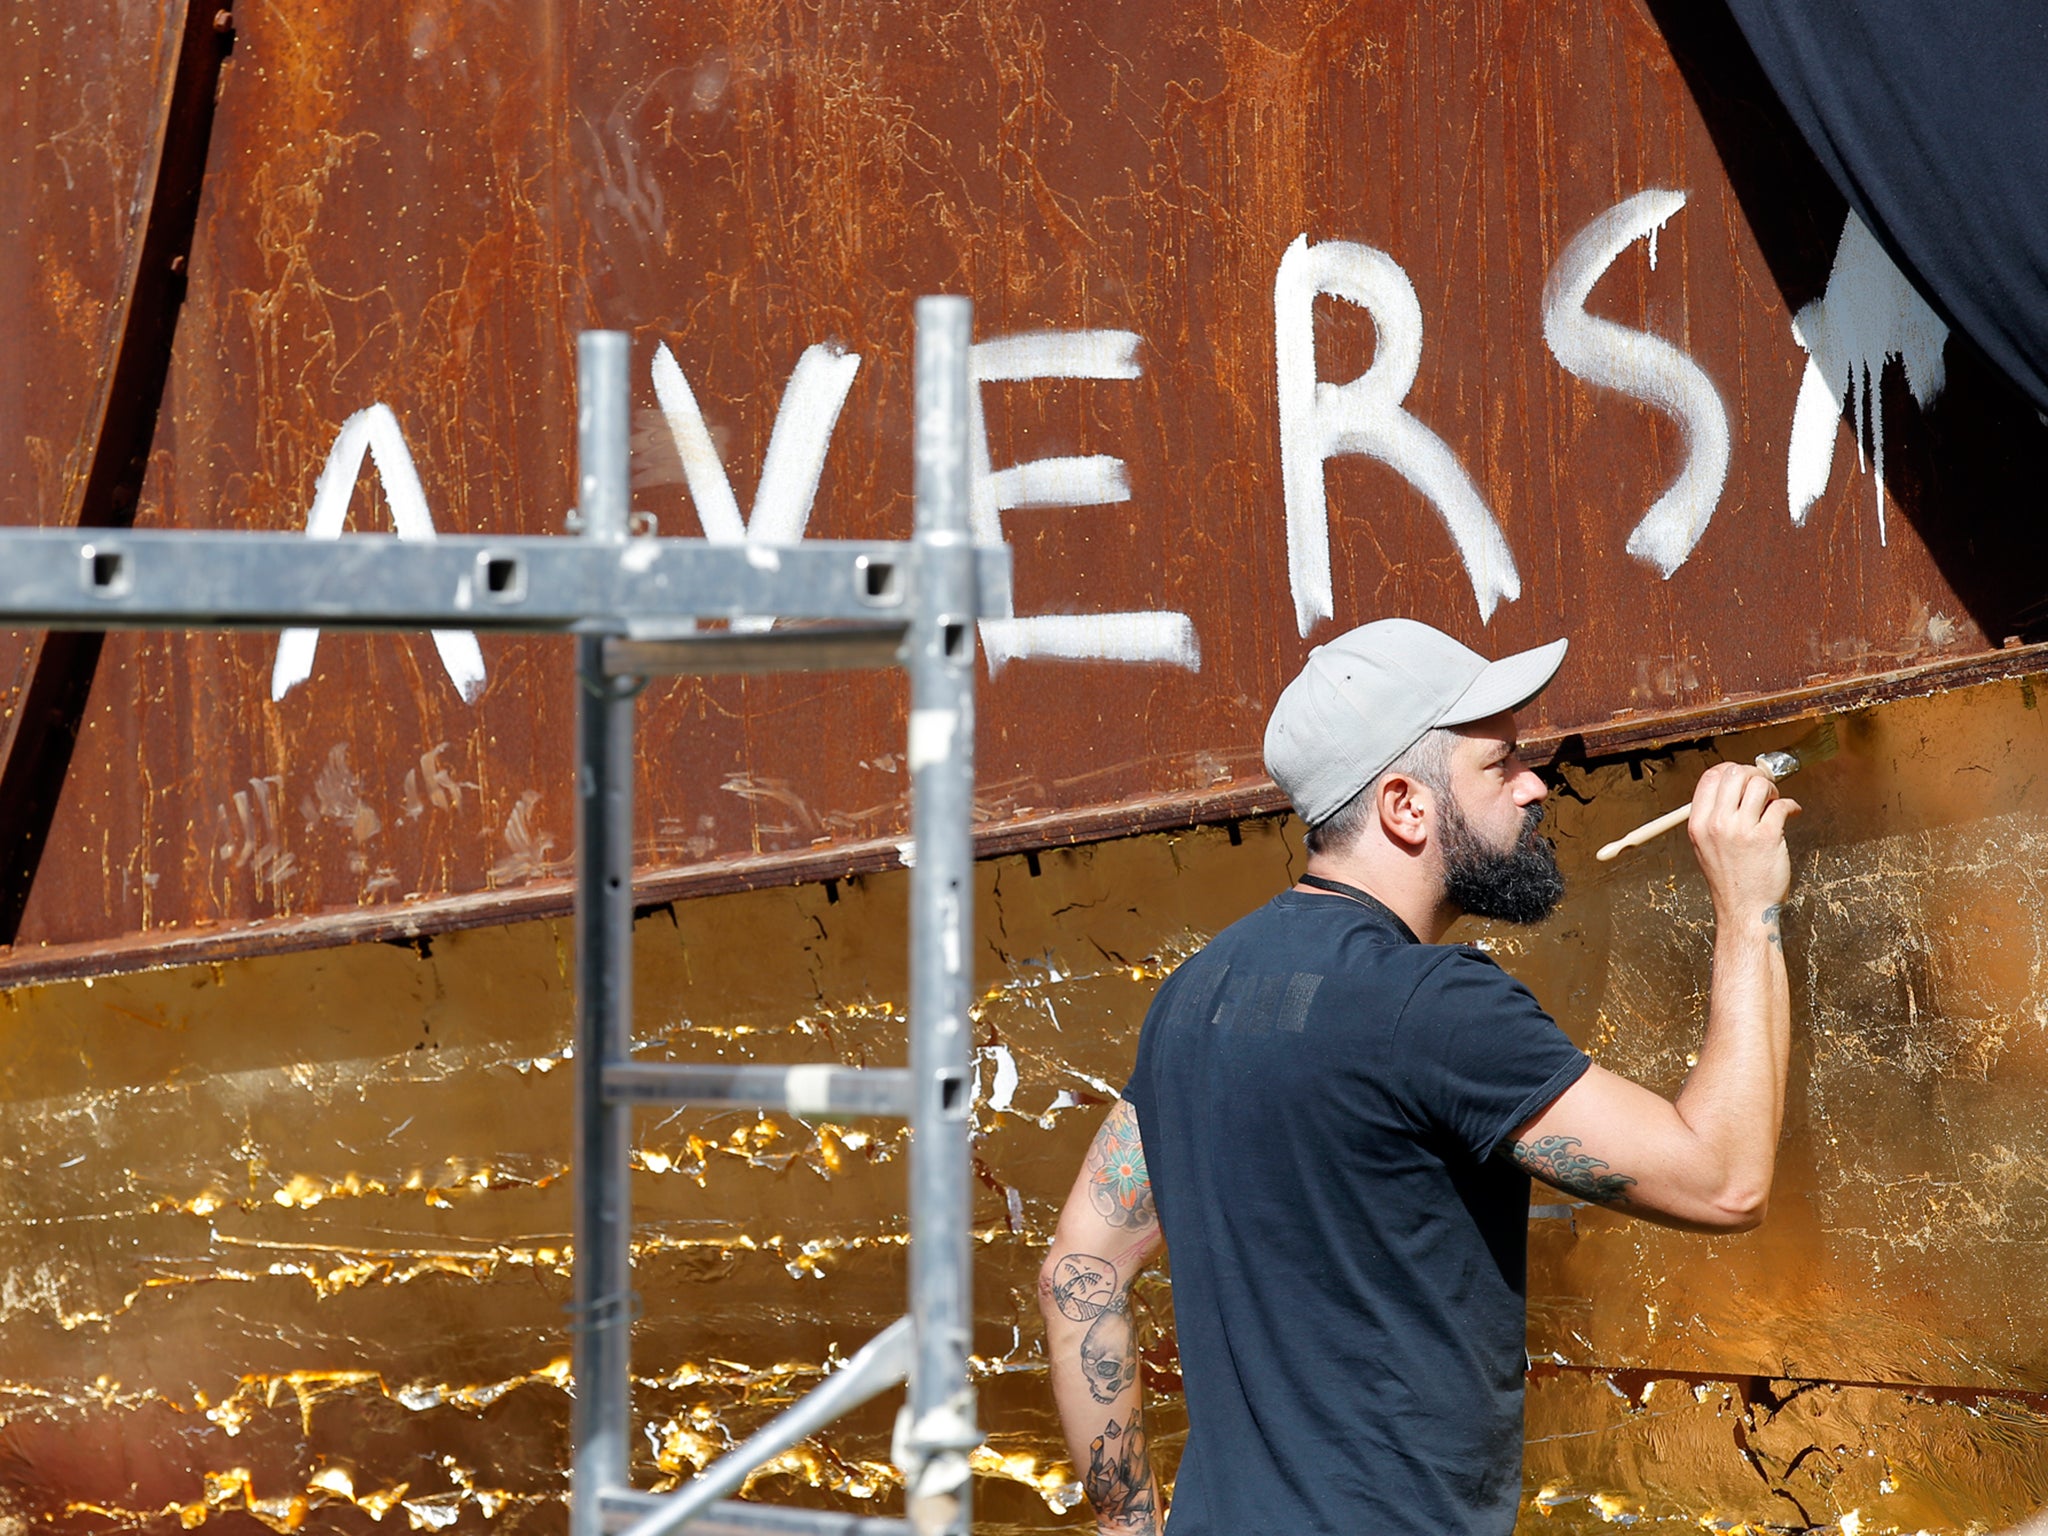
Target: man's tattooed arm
(1557,1161)
(1107,1232)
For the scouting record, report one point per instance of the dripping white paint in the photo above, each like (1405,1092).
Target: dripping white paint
(1868,316)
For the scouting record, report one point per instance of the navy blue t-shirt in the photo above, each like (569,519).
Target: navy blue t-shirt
(1321,1098)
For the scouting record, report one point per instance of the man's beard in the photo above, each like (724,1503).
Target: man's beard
(1523,885)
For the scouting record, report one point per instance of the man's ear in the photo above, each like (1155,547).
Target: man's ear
(1405,806)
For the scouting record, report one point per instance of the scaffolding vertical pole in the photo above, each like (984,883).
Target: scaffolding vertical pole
(938,1428)
(603,1309)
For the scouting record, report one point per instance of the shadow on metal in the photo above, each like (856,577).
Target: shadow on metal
(1968,477)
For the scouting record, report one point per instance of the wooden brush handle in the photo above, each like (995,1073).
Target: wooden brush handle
(1779,765)
(1645,832)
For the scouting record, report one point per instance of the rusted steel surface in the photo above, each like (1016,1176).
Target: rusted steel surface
(79,97)
(411,219)
(57,684)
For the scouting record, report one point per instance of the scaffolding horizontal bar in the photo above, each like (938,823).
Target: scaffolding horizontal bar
(53,578)
(722,652)
(623,1508)
(810,1089)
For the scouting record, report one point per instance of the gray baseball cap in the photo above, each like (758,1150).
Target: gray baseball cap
(1372,693)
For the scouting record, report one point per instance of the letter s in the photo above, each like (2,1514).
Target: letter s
(1645,366)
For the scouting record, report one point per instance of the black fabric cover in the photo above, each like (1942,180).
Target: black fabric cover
(1933,120)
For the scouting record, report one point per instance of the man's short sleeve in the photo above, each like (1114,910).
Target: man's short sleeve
(1481,1055)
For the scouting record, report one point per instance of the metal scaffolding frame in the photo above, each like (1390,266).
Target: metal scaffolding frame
(634,603)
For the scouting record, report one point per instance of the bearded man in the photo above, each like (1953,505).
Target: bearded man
(1334,1117)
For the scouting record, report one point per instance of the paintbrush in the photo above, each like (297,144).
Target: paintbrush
(1816,746)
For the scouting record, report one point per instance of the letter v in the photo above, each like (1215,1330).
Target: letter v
(373,429)
(792,466)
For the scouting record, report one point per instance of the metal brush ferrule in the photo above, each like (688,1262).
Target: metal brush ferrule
(1778,764)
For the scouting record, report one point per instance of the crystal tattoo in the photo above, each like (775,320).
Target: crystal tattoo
(1119,1476)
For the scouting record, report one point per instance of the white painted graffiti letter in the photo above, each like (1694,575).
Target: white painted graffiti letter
(790,469)
(1094,480)
(1869,315)
(1645,366)
(1318,421)
(375,430)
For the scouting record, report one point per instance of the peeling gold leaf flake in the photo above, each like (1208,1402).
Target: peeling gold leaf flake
(335,1480)
(1611,1506)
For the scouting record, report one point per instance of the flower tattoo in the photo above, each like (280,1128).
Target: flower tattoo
(1119,1185)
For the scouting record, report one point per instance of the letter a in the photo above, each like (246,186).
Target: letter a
(373,429)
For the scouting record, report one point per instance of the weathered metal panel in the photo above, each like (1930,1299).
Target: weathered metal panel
(102,480)
(79,97)
(78,88)
(419,215)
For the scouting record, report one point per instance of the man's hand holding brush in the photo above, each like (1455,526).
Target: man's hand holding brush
(1703,1161)
(1737,825)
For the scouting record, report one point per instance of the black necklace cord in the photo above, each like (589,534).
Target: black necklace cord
(1363,898)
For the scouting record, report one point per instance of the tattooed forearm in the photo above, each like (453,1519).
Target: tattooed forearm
(1557,1161)
(1119,1476)
(1109,1353)
(1107,1233)
(1119,1185)
(1772,929)
(1083,1286)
